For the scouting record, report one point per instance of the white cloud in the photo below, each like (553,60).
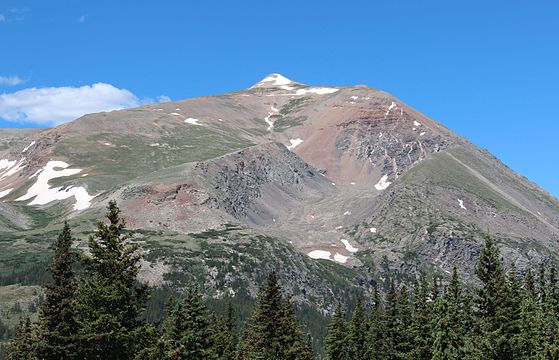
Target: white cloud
(2,18)
(81,19)
(55,105)
(163,98)
(10,80)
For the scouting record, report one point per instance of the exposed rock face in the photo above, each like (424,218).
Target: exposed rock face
(261,183)
(350,171)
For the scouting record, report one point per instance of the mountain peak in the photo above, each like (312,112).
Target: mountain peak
(273,80)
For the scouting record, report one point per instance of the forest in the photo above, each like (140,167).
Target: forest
(94,307)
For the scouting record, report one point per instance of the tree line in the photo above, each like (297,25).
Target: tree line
(506,317)
(99,313)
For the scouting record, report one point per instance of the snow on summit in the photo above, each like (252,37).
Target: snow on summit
(273,80)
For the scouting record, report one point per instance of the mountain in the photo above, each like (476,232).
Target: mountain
(336,188)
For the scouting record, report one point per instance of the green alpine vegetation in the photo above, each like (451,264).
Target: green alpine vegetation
(94,307)
(506,317)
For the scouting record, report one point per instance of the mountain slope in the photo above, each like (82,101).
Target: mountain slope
(349,175)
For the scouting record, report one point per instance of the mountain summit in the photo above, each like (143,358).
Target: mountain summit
(315,179)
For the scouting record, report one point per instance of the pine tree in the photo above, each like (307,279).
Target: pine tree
(22,345)
(272,332)
(493,304)
(376,330)
(446,341)
(391,324)
(292,339)
(229,336)
(57,326)
(187,329)
(336,344)
(420,327)
(358,332)
(404,345)
(109,301)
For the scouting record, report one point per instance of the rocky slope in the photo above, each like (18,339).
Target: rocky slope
(335,184)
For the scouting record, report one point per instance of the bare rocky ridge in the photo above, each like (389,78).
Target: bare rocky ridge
(351,172)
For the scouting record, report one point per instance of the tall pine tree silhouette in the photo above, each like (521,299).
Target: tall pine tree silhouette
(57,327)
(109,301)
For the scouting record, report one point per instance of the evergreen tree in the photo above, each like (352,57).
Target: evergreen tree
(57,326)
(187,333)
(404,345)
(336,340)
(420,327)
(226,341)
(376,331)
(272,332)
(493,304)
(22,345)
(292,338)
(109,301)
(357,333)
(446,341)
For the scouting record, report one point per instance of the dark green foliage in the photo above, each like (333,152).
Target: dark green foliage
(501,319)
(109,301)
(57,327)
(272,332)
(336,344)
(188,332)
(22,345)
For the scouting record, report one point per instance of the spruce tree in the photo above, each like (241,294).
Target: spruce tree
(493,304)
(376,330)
(292,339)
(446,341)
(420,327)
(22,345)
(57,327)
(336,344)
(357,333)
(272,332)
(187,330)
(109,302)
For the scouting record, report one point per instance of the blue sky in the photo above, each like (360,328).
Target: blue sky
(486,69)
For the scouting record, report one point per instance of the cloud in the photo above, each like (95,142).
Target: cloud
(163,98)
(10,80)
(55,105)
(81,19)
(2,18)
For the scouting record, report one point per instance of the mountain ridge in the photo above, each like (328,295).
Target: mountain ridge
(360,179)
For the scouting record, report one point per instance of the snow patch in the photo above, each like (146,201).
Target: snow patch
(294,143)
(340,258)
(5,192)
(44,194)
(177,114)
(354,97)
(348,246)
(192,121)
(415,123)
(267,118)
(383,183)
(8,168)
(319,254)
(28,146)
(373,230)
(392,106)
(423,133)
(274,80)
(318,91)
(461,203)
(347,213)
(322,254)
(339,227)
